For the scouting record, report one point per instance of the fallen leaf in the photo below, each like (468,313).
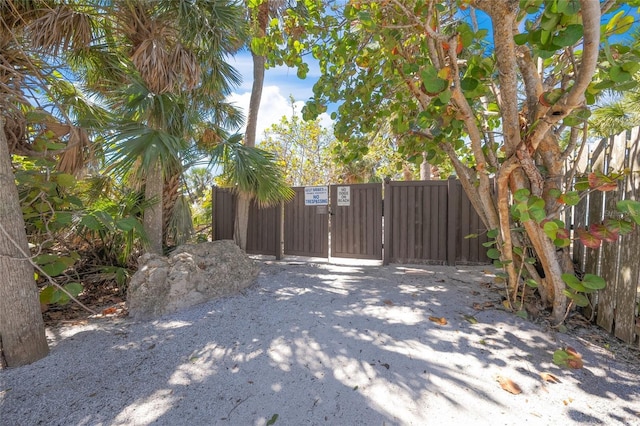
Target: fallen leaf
(109,311)
(548,377)
(439,320)
(573,352)
(471,319)
(509,385)
(575,359)
(575,363)
(387,302)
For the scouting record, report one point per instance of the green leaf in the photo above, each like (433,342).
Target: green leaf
(594,282)
(538,214)
(469,84)
(521,195)
(571,198)
(532,283)
(432,83)
(551,229)
(569,36)
(572,281)
(47,295)
(630,207)
(493,233)
(522,314)
(621,226)
(64,298)
(66,180)
(555,193)
(521,39)
(560,358)
(272,420)
(493,253)
(578,298)
(582,184)
(54,269)
(471,319)
(63,218)
(127,224)
(618,74)
(91,222)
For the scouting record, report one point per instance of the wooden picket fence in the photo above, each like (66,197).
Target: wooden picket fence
(617,307)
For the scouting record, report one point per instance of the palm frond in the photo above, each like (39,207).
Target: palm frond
(180,224)
(614,118)
(60,29)
(251,171)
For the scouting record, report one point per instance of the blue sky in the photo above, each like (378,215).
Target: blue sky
(279,84)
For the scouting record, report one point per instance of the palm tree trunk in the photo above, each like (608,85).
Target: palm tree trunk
(171,191)
(22,336)
(152,221)
(244,200)
(241,224)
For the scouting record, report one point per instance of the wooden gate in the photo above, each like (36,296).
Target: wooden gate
(427,221)
(356,221)
(306,228)
(424,222)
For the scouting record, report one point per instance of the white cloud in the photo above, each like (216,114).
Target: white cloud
(273,106)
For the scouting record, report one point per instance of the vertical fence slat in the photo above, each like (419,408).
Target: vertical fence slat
(626,297)
(387,214)
(453,215)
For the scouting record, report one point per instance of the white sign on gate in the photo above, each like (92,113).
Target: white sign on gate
(344,196)
(316,195)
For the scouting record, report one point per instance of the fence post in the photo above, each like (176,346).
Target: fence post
(279,231)
(453,214)
(387,208)
(213,213)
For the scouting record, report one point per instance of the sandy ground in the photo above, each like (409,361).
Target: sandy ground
(324,344)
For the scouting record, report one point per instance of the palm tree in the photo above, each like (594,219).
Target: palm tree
(259,17)
(26,73)
(170,47)
(619,114)
(170,75)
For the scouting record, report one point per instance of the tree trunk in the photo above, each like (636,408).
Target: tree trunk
(22,336)
(241,224)
(152,221)
(425,168)
(170,194)
(254,101)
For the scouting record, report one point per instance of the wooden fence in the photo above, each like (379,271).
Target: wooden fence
(617,306)
(424,222)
